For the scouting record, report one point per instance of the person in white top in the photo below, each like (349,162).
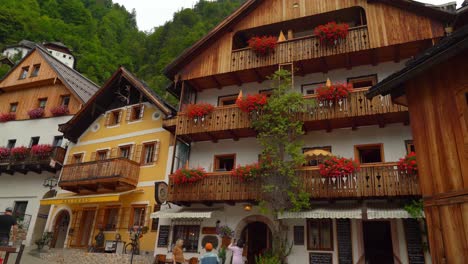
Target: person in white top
(237,251)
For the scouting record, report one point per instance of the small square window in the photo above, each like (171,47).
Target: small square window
(149,153)
(77,158)
(319,234)
(372,153)
(114,118)
(35,71)
(42,103)
(139,216)
(136,113)
(65,100)
(11,143)
(309,88)
(125,151)
(58,140)
(363,81)
(34,141)
(111,215)
(227,100)
(13,107)
(64,55)
(225,162)
(24,73)
(102,154)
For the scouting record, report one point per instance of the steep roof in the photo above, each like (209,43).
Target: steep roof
(413,6)
(103,98)
(442,51)
(6,60)
(81,86)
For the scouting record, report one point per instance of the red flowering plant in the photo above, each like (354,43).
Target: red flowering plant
(334,92)
(199,110)
(41,151)
(182,176)
(337,166)
(4,153)
(247,173)
(7,117)
(19,153)
(251,103)
(263,45)
(36,113)
(408,164)
(331,33)
(59,110)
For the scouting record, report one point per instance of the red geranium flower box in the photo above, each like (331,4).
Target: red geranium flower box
(334,92)
(337,167)
(247,173)
(408,164)
(251,102)
(59,110)
(36,113)
(331,33)
(19,152)
(7,117)
(199,110)
(182,176)
(263,45)
(4,153)
(41,151)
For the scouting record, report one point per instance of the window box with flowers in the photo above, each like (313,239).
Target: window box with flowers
(183,176)
(19,153)
(59,110)
(4,153)
(41,151)
(408,165)
(247,173)
(263,46)
(252,104)
(337,167)
(36,113)
(334,94)
(7,117)
(198,112)
(332,33)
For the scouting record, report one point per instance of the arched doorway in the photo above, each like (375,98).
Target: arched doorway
(60,229)
(258,239)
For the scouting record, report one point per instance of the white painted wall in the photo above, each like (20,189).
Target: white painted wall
(342,142)
(11,52)
(340,75)
(65,58)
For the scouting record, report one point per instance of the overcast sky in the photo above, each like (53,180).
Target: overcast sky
(153,13)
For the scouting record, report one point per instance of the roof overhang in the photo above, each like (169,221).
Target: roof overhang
(185,213)
(334,212)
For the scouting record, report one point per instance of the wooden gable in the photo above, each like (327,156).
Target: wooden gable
(387,26)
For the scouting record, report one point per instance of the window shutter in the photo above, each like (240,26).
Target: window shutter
(156,151)
(139,149)
(120,117)
(108,117)
(114,153)
(93,156)
(100,218)
(132,150)
(142,111)
(129,113)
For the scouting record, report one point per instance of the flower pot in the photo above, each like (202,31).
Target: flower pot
(225,241)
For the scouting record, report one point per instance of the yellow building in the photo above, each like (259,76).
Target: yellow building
(118,151)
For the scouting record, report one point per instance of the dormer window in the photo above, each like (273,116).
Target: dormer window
(35,71)
(24,73)
(136,113)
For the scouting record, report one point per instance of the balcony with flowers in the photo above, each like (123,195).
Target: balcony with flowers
(37,159)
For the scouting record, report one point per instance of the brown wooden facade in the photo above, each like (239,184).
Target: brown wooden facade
(372,181)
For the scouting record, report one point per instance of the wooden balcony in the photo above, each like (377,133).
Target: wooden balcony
(372,181)
(229,122)
(300,49)
(51,162)
(119,174)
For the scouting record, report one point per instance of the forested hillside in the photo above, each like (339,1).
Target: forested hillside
(104,35)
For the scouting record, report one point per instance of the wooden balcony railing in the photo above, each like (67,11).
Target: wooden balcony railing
(227,118)
(372,181)
(298,49)
(33,162)
(100,176)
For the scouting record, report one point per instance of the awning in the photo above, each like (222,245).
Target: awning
(386,212)
(177,213)
(337,211)
(83,199)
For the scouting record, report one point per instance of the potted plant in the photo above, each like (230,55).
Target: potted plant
(19,153)
(7,117)
(252,104)
(182,176)
(332,33)
(36,113)
(59,110)
(247,173)
(226,234)
(263,46)
(4,153)
(41,151)
(198,112)
(408,164)
(337,167)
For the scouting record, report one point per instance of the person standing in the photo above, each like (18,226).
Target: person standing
(237,251)
(209,257)
(178,252)
(7,221)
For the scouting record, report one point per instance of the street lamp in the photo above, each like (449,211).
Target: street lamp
(50,182)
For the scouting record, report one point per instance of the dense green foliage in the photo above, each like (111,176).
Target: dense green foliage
(104,35)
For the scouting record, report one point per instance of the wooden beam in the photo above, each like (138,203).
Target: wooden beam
(212,137)
(258,76)
(233,134)
(237,79)
(396,53)
(194,84)
(324,64)
(349,63)
(218,84)
(374,57)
